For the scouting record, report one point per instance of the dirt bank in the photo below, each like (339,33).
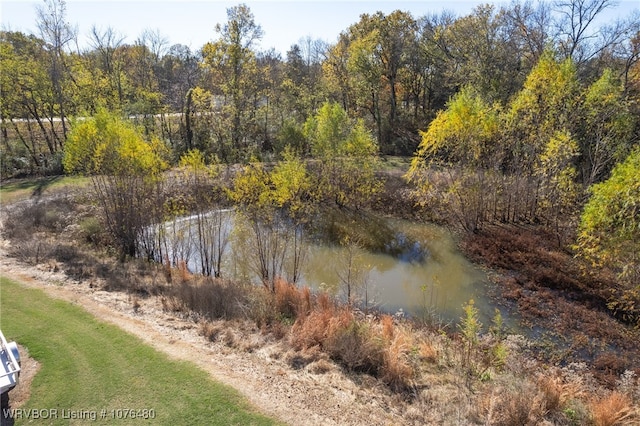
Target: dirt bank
(255,364)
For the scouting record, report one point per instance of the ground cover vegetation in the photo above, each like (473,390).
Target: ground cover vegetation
(88,366)
(523,125)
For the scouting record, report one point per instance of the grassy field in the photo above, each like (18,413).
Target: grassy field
(20,189)
(90,366)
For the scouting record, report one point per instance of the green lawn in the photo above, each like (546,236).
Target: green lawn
(88,365)
(19,189)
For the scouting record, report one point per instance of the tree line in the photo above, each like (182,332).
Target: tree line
(525,113)
(229,99)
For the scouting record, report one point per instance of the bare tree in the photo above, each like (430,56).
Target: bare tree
(528,26)
(621,43)
(354,277)
(106,43)
(156,43)
(56,33)
(574,26)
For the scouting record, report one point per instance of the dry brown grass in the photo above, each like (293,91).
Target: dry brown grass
(524,400)
(172,304)
(209,330)
(551,393)
(614,409)
(210,297)
(512,405)
(166,269)
(427,352)
(292,302)
(354,344)
(183,272)
(388,327)
(398,370)
(312,330)
(375,346)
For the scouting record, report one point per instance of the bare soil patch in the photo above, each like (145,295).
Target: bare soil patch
(29,367)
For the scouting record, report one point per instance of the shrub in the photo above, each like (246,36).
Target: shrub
(612,410)
(212,298)
(31,250)
(209,331)
(354,344)
(23,221)
(92,230)
(292,302)
(398,370)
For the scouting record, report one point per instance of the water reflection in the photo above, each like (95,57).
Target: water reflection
(425,273)
(432,276)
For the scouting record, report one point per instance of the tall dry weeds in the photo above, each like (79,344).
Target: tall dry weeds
(313,329)
(354,344)
(398,370)
(512,405)
(614,409)
(183,272)
(292,302)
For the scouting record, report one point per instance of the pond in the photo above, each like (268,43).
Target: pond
(419,272)
(437,283)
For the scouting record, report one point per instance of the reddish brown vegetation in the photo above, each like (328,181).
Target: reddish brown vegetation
(615,409)
(376,346)
(552,290)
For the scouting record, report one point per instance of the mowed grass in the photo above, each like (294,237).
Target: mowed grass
(89,365)
(19,189)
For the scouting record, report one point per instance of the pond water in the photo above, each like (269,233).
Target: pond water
(438,283)
(421,272)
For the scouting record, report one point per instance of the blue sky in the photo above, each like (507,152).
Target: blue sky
(192,22)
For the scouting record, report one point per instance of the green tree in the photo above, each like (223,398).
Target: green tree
(27,93)
(301,86)
(348,155)
(463,133)
(276,205)
(291,193)
(609,230)
(423,78)
(366,70)
(546,104)
(558,188)
(232,62)
(336,77)
(212,236)
(259,205)
(378,51)
(461,138)
(606,131)
(479,53)
(124,168)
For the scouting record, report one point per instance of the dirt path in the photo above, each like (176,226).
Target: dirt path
(256,365)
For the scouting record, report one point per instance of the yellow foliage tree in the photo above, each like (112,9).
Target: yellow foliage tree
(125,170)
